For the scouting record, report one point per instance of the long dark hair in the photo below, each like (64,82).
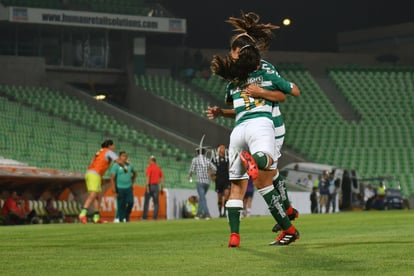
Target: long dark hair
(238,69)
(107,143)
(249,26)
(253,39)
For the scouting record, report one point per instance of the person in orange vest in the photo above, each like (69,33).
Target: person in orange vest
(93,178)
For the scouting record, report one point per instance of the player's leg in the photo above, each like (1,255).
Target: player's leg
(93,184)
(129,203)
(201,200)
(280,185)
(247,203)
(121,205)
(261,140)
(206,211)
(234,207)
(226,194)
(219,200)
(155,193)
(96,205)
(147,197)
(238,179)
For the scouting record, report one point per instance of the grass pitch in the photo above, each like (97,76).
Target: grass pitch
(354,243)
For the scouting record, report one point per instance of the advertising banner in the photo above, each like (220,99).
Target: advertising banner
(97,20)
(108,205)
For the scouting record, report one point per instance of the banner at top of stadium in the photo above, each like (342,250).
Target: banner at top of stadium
(96,20)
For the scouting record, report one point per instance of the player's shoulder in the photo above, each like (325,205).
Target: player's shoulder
(230,85)
(268,67)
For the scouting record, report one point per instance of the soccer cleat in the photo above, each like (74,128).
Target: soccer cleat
(285,238)
(100,221)
(234,240)
(293,216)
(249,164)
(83,219)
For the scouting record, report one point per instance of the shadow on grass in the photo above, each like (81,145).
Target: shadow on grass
(351,243)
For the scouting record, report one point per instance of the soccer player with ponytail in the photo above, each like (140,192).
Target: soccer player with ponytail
(253,90)
(93,178)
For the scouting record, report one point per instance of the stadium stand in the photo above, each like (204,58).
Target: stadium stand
(372,146)
(46,128)
(318,131)
(181,95)
(381,142)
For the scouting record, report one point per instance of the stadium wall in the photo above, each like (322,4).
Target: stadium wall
(17,70)
(395,41)
(175,118)
(177,197)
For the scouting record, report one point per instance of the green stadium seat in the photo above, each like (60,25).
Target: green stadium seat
(66,133)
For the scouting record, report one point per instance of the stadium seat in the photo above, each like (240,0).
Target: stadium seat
(70,121)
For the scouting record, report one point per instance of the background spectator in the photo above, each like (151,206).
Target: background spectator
(16,211)
(314,200)
(52,212)
(369,196)
(202,167)
(323,193)
(248,198)
(190,207)
(154,176)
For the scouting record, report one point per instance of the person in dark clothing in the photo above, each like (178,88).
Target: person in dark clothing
(314,200)
(221,161)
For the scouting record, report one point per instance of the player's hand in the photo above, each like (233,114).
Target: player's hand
(161,192)
(253,90)
(214,112)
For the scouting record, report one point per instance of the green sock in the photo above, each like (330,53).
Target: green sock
(83,212)
(280,185)
(274,202)
(96,216)
(234,209)
(261,159)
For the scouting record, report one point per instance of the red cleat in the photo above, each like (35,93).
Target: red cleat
(83,219)
(234,240)
(249,164)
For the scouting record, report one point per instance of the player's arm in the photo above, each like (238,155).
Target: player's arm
(134,176)
(113,156)
(256,91)
(295,90)
(215,112)
(162,181)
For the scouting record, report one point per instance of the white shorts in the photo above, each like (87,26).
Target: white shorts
(278,151)
(252,135)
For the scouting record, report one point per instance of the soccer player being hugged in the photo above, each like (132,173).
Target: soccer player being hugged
(93,178)
(252,142)
(122,182)
(248,25)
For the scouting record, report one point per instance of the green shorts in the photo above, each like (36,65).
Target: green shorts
(93,182)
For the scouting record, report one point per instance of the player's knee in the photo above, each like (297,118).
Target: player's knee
(263,160)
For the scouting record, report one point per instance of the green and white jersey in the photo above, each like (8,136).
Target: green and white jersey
(285,87)
(247,107)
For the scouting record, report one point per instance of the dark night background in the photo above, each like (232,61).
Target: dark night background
(314,23)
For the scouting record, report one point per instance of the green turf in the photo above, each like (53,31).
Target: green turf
(354,243)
